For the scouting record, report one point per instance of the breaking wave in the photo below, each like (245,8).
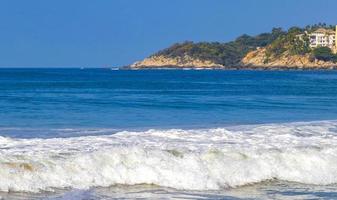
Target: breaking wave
(200,159)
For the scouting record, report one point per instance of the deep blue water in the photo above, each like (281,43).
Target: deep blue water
(103,98)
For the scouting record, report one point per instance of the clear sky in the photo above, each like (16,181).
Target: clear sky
(96,33)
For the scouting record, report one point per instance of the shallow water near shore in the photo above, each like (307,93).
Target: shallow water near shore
(267,190)
(103,134)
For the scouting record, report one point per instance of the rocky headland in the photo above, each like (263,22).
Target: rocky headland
(278,49)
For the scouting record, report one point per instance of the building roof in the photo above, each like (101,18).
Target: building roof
(325,31)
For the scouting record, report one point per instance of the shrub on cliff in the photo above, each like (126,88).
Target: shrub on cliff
(325,54)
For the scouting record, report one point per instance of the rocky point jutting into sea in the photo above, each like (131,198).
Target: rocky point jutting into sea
(175,62)
(296,48)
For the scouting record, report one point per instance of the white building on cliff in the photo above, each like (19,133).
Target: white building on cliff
(323,38)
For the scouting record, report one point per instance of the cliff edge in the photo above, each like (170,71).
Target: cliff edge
(259,59)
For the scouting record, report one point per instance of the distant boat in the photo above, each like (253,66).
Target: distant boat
(81,68)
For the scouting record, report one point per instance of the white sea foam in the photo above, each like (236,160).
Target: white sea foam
(204,159)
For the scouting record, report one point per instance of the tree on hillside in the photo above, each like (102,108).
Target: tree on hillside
(295,30)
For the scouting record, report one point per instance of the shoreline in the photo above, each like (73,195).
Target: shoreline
(255,68)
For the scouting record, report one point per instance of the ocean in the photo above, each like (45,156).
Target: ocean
(167,134)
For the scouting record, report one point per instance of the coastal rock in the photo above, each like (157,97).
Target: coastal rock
(258,58)
(176,62)
(252,60)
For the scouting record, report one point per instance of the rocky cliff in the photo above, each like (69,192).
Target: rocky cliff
(253,60)
(258,59)
(176,62)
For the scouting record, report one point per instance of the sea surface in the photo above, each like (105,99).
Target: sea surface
(167,134)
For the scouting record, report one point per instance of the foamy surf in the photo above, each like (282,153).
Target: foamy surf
(200,159)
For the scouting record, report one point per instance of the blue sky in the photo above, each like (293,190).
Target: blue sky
(89,33)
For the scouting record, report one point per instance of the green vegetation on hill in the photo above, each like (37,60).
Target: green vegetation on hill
(325,54)
(226,54)
(295,41)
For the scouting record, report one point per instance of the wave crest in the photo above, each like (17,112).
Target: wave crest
(204,159)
